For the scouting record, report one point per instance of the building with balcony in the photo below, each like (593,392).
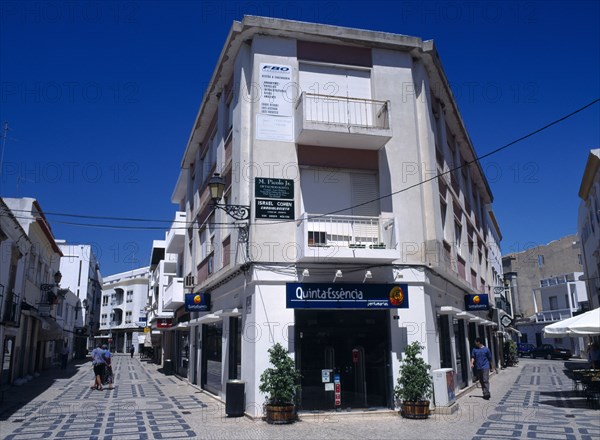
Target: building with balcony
(588,226)
(557,298)
(333,235)
(166,291)
(527,268)
(36,293)
(15,246)
(81,274)
(122,309)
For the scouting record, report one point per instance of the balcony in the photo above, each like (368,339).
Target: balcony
(176,236)
(173,297)
(347,238)
(336,121)
(10,308)
(553,315)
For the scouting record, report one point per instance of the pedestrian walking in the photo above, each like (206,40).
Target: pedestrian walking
(108,372)
(132,350)
(99,365)
(64,357)
(481,361)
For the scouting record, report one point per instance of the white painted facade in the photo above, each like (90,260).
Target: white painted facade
(588,226)
(122,314)
(38,331)
(378,119)
(15,246)
(81,274)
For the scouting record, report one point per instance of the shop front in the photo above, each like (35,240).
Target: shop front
(342,343)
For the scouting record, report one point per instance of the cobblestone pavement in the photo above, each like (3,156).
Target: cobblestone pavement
(533,400)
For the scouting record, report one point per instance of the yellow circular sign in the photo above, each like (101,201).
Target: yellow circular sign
(396,296)
(476,299)
(197,299)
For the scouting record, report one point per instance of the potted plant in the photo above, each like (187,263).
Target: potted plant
(280,384)
(415,385)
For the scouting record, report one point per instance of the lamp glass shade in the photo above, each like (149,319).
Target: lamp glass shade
(216,186)
(57,277)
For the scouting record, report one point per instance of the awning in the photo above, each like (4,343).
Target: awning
(211,317)
(50,330)
(576,326)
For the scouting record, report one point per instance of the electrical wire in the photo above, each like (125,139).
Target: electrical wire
(437,176)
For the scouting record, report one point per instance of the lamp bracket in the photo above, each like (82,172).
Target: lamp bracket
(238,212)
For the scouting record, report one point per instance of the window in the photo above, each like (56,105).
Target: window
(104,300)
(443,208)
(540,260)
(553,300)
(579,259)
(130,296)
(128,317)
(103,319)
(458,236)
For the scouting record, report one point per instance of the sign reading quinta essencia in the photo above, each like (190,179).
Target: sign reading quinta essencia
(476,302)
(346,296)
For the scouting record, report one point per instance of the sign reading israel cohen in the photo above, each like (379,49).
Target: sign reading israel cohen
(477,302)
(346,296)
(197,302)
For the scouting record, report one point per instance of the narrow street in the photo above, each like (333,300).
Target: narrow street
(533,400)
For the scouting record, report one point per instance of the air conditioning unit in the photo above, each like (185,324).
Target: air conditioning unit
(188,282)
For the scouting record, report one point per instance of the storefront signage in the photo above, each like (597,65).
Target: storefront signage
(164,323)
(477,302)
(325,376)
(274,209)
(506,321)
(273,188)
(346,296)
(197,302)
(275,120)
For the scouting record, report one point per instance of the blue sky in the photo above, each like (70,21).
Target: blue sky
(101,97)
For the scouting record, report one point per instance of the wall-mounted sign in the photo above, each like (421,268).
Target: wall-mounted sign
(275,119)
(164,323)
(197,302)
(274,209)
(346,296)
(273,188)
(476,302)
(506,321)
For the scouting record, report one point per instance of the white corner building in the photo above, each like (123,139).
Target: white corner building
(329,138)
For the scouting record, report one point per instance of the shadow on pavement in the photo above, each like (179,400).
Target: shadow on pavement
(14,398)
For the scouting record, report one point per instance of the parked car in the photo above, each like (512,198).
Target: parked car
(549,351)
(524,349)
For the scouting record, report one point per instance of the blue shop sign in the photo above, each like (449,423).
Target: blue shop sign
(477,302)
(346,296)
(197,302)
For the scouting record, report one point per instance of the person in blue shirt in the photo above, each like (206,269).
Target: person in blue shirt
(99,364)
(108,371)
(481,360)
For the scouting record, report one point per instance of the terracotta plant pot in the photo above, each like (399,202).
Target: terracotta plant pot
(415,410)
(280,414)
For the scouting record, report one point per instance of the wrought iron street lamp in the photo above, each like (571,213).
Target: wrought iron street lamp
(216,186)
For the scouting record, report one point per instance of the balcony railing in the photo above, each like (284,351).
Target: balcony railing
(358,232)
(347,111)
(173,296)
(553,315)
(176,235)
(10,308)
(346,122)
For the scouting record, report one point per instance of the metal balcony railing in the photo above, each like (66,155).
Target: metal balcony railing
(350,231)
(553,315)
(10,308)
(356,112)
